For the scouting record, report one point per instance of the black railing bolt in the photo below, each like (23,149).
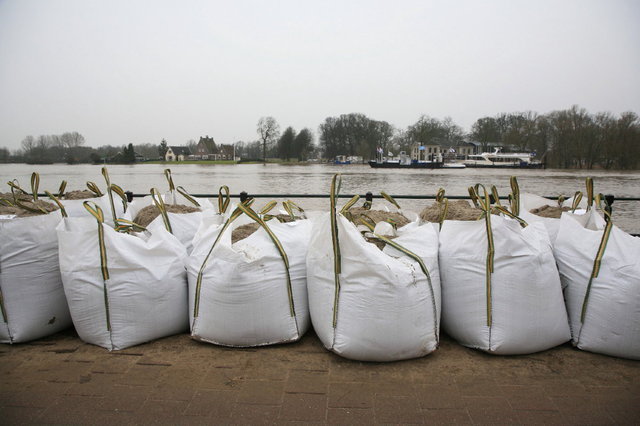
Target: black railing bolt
(243,196)
(129,195)
(609,198)
(368,196)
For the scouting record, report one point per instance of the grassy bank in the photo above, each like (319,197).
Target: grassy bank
(212,162)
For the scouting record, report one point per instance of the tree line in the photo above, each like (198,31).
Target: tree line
(570,138)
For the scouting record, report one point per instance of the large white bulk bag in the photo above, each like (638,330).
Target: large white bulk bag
(182,225)
(253,292)
(600,269)
(526,202)
(122,289)
(31,294)
(517,309)
(373,305)
(114,207)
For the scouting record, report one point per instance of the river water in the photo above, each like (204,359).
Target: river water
(357,179)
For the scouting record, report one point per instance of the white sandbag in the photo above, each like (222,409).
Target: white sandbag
(381,306)
(140,294)
(610,323)
(522,310)
(532,201)
(75,208)
(32,298)
(243,297)
(183,225)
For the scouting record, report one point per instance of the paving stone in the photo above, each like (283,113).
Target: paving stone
(393,389)
(155,409)
(305,381)
(255,414)
(142,375)
(539,417)
(439,396)
(350,416)
(304,407)
(93,384)
(397,409)
(70,410)
(222,378)
(446,416)
(261,392)
(341,370)
(19,415)
(179,381)
(124,398)
(492,416)
(212,403)
(350,395)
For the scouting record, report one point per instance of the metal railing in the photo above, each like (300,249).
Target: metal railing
(370,196)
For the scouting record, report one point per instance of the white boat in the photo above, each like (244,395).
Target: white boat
(497,159)
(453,166)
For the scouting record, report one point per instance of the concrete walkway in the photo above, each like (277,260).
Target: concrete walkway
(61,380)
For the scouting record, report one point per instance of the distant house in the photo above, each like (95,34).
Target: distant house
(206,146)
(426,152)
(225,152)
(206,149)
(176,153)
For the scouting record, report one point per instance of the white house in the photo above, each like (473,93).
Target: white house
(176,153)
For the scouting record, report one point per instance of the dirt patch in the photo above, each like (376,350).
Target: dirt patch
(20,212)
(149,213)
(356,213)
(79,195)
(456,210)
(549,211)
(243,231)
(21,196)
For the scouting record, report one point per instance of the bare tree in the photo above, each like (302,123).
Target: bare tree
(269,131)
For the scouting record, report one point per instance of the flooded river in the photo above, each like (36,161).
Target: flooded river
(357,179)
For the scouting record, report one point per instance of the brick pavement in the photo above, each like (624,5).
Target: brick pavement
(61,380)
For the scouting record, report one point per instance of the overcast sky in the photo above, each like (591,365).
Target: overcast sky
(138,71)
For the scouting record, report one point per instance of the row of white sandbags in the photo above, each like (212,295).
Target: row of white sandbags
(506,301)
(125,289)
(32,300)
(599,267)
(340,336)
(379,305)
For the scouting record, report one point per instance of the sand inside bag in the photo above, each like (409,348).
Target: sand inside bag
(20,195)
(20,212)
(549,211)
(243,231)
(149,213)
(79,195)
(356,213)
(456,210)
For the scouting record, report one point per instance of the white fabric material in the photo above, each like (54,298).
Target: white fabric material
(526,297)
(146,290)
(386,311)
(531,201)
(244,299)
(75,208)
(30,281)
(183,225)
(612,321)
